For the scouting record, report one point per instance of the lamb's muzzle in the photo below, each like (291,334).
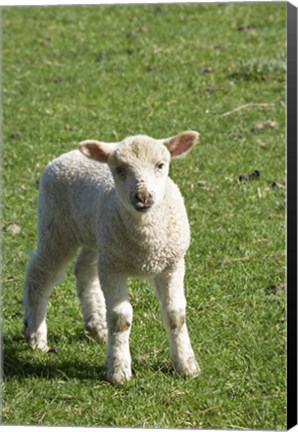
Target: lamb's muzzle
(143,200)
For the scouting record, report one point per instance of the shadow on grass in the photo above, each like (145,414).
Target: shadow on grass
(21,362)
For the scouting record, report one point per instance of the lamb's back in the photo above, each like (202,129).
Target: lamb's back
(72,188)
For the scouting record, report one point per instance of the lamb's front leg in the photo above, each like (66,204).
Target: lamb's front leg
(170,292)
(119,320)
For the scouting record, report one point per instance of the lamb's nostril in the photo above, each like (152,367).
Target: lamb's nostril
(138,198)
(143,199)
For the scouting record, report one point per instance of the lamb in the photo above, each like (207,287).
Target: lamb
(116,204)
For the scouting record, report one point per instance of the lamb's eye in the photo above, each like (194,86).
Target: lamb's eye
(160,166)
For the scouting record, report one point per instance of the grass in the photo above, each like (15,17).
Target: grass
(105,72)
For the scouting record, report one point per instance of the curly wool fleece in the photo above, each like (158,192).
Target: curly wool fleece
(117,205)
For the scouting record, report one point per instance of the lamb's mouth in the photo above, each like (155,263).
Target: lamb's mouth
(142,208)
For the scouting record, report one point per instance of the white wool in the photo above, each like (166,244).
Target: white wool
(127,217)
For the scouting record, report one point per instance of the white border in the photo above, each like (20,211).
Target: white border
(96,2)
(92,429)
(13,3)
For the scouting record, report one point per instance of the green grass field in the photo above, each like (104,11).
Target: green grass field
(105,72)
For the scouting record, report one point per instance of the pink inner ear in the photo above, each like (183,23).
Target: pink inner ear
(95,150)
(182,143)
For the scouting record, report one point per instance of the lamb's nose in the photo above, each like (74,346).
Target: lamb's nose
(143,200)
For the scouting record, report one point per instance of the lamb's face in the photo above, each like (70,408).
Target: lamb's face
(140,167)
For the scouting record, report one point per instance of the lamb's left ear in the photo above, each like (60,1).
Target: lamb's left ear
(97,150)
(182,143)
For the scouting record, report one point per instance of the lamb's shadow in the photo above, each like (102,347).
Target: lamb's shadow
(16,364)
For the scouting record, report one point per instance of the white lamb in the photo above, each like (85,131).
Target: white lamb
(128,219)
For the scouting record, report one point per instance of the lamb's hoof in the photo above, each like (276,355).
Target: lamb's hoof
(189,368)
(35,341)
(54,350)
(37,344)
(193,370)
(119,375)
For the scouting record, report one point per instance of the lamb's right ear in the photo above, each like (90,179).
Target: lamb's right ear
(97,150)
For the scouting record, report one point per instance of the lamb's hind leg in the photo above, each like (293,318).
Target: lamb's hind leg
(91,295)
(44,271)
